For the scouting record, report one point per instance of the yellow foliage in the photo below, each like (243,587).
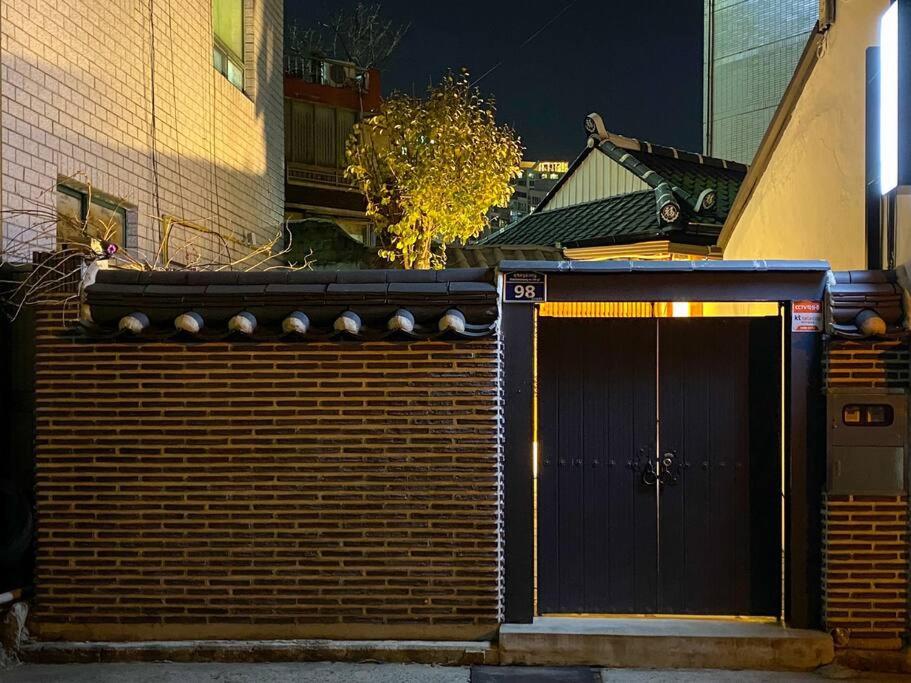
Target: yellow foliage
(431,169)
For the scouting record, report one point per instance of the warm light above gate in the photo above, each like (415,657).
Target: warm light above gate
(658,309)
(680,309)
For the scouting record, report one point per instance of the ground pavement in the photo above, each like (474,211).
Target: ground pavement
(327,672)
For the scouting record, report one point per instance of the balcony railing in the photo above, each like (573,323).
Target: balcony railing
(331,72)
(304,174)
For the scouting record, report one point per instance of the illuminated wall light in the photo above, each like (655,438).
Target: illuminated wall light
(888,99)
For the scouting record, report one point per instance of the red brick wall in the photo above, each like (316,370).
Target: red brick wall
(865,553)
(266,490)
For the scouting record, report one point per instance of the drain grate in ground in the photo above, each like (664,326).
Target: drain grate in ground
(534,674)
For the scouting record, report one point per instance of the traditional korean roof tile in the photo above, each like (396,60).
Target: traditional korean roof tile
(864,303)
(700,189)
(334,249)
(694,173)
(626,215)
(305,305)
(479,256)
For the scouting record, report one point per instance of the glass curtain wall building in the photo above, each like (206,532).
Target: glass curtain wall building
(751,50)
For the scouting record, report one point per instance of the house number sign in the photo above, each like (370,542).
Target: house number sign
(524,287)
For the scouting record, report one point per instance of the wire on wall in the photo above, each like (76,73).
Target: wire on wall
(156,179)
(213,119)
(179,154)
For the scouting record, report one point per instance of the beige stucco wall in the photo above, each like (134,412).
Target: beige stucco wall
(78,82)
(809,203)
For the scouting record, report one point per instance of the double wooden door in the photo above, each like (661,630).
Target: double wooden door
(658,479)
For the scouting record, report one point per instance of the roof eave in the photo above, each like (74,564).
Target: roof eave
(656,266)
(677,234)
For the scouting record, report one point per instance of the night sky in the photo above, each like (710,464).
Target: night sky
(636,62)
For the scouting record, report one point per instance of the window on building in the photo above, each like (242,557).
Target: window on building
(228,48)
(316,134)
(104,219)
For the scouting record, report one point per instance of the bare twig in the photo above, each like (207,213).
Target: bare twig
(55,247)
(360,35)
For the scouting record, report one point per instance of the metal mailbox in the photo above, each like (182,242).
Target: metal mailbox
(867,441)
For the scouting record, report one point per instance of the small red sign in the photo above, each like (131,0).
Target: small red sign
(806,316)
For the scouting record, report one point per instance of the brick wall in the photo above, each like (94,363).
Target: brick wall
(77,84)
(865,557)
(863,364)
(866,569)
(266,490)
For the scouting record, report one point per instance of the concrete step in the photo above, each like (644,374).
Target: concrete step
(664,643)
(452,653)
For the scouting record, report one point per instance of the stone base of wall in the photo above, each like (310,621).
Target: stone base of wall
(865,570)
(439,653)
(136,632)
(884,661)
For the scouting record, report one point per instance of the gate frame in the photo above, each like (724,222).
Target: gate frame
(772,281)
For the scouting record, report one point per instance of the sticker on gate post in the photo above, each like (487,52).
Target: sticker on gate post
(524,288)
(806,316)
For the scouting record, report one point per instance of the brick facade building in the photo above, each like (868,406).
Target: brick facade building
(124,97)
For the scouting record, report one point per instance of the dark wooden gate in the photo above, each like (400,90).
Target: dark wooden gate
(659,471)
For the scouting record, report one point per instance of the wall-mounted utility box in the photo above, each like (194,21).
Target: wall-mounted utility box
(867,441)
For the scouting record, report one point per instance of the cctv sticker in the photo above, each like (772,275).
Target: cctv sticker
(806,316)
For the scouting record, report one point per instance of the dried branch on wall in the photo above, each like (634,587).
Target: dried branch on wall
(43,251)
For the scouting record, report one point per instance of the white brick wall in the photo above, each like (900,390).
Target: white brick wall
(77,84)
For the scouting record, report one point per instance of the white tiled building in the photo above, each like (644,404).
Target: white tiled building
(163,107)
(750,50)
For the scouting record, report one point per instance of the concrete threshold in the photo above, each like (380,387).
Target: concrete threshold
(449,653)
(659,643)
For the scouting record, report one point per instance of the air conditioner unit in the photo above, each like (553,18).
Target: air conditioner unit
(338,74)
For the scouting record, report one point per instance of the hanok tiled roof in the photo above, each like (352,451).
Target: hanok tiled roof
(624,215)
(864,303)
(479,256)
(695,176)
(302,305)
(674,175)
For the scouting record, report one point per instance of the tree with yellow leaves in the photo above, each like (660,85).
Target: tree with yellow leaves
(432,168)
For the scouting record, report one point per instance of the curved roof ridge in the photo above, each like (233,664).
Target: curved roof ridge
(596,129)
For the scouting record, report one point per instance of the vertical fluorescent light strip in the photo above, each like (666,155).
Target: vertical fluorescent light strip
(888,99)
